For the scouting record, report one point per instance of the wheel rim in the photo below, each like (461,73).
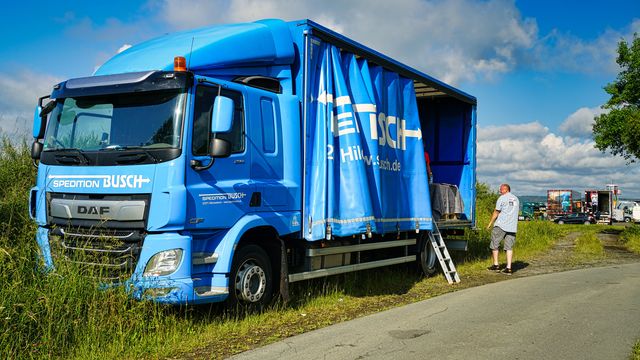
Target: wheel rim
(250,281)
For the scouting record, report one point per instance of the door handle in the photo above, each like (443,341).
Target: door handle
(238,161)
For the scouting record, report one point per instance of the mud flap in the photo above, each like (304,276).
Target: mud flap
(284,273)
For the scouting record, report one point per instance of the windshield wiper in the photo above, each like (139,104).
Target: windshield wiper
(122,148)
(84,160)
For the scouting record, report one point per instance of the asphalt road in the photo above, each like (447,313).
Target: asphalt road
(582,314)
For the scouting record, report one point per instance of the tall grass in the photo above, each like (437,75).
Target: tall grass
(64,315)
(53,315)
(631,237)
(588,246)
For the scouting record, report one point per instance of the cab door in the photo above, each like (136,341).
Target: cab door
(218,196)
(267,170)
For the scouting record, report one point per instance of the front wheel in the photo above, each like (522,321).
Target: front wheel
(587,222)
(427,260)
(560,222)
(251,279)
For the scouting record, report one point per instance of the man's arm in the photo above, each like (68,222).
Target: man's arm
(494,216)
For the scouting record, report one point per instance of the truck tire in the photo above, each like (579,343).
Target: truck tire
(251,279)
(427,260)
(627,219)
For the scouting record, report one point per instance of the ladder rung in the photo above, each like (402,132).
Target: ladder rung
(446,262)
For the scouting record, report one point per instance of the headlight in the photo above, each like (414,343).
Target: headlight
(163,263)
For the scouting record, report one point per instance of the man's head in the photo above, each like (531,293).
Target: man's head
(505,188)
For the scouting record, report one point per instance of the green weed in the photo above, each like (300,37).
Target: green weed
(635,355)
(588,246)
(631,237)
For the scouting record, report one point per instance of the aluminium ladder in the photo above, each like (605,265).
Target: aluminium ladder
(446,263)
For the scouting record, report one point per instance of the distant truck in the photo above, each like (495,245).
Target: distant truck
(533,210)
(562,202)
(225,162)
(635,213)
(600,204)
(624,211)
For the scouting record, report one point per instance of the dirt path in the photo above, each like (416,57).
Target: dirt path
(561,257)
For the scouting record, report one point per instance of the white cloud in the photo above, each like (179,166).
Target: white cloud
(451,40)
(19,92)
(455,41)
(566,52)
(533,159)
(580,123)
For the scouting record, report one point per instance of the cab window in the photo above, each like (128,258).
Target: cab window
(205,96)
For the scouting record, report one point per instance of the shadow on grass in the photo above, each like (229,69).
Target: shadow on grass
(612,231)
(519,265)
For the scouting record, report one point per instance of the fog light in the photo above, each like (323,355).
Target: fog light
(160,292)
(163,263)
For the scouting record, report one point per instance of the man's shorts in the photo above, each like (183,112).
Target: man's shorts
(497,235)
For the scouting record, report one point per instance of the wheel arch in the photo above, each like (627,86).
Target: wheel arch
(267,238)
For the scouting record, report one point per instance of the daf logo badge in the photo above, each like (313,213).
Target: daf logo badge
(93,210)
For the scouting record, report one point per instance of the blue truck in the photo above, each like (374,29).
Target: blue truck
(223,163)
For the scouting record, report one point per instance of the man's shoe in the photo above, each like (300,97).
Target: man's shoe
(507,271)
(494,268)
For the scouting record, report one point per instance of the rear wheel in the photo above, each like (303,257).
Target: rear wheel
(560,222)
(627,219)
(427,259)
(587,222)
(251,279)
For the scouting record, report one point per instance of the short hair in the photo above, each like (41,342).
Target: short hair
(507,186)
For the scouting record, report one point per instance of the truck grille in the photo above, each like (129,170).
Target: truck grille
(110,255)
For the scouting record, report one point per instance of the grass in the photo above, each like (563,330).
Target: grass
(635,355)
(631,237)
(588,247)
(64,315)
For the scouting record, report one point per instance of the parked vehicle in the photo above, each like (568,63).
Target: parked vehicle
(635,214)
(202,167)
(600,204)
(624,211)
(562,202)
(533,210)
(576,218)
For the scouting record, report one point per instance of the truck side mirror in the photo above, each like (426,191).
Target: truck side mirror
(38,123)
(220,148)
(36,150)
(222,115)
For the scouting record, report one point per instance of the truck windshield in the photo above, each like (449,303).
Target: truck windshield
(149,120)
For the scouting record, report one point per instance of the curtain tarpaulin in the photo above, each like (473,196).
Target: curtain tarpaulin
(365,165)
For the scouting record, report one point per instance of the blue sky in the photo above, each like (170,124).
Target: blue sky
(537,67)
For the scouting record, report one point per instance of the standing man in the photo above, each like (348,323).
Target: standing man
(506,225)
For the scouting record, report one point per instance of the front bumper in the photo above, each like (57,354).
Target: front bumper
(178,288)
